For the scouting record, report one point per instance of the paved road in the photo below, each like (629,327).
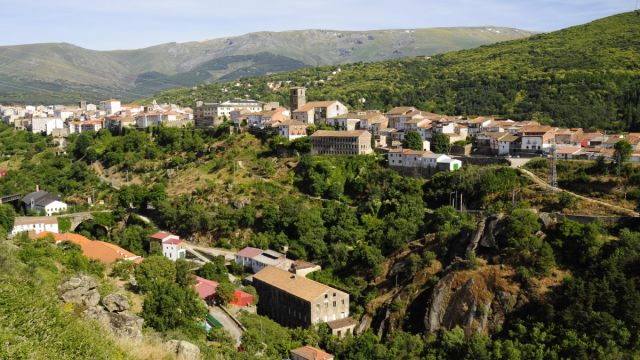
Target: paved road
(198,251)
(227,323)
(229,255)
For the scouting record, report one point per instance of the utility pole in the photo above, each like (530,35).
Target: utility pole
(619,163)
(554,172)
(513,197)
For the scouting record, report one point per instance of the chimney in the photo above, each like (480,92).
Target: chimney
(37,188)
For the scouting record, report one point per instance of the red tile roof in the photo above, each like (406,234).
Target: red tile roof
(173,242)
(312,353)
(205,288)
(96,250)
(161,235)
(249,252)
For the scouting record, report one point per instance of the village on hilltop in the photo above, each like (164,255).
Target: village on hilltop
(447,141)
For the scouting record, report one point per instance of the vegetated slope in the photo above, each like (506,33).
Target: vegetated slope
(516,284)
(587,75)
(45,72)
(34,323)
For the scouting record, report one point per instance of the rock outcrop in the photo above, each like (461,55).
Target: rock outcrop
(475,300)
(183,350)
(123,324)
(113,313)
(115,303)
(81,290)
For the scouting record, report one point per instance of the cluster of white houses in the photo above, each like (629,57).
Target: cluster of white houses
(355,132)
(61,121)
(362,132)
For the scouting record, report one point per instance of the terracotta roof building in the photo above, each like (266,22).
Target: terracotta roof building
(172,247)
(206,290)
(296,301)
(310,353)
(325,142)
(104,252)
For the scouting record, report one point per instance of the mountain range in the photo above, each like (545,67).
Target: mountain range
(61,72)
(582,76)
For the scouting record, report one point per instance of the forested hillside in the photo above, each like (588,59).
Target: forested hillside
(587,76)
(65,73)
(518,281)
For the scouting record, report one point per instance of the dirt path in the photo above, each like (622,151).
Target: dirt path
(546,186)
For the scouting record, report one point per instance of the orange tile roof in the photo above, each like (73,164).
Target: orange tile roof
(312,353)
(400,110)
(315,104)
(298,286)
(96,250)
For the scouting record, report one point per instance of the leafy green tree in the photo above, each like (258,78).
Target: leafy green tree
(123,269)
(447,223)
(82,144)
(622,152)
(155,248)
(265,336)
(224,292)
(7,218)
(216,270)
(440,143)
(580,243)
(168,306)
(133,195)
(402,345)
(134,238)
(155,270)
(184,273)
(412,140)
(523,243)
(64,224)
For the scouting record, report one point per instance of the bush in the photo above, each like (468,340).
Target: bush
(168,306)
(155,270)
(122,269)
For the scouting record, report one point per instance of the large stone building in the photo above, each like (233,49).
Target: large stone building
(213,114)
(325,142)
(317,112)
(295,301)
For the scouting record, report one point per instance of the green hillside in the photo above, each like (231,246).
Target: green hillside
(585,76)
(54,73)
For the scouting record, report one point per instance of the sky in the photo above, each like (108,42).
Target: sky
(129,24)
